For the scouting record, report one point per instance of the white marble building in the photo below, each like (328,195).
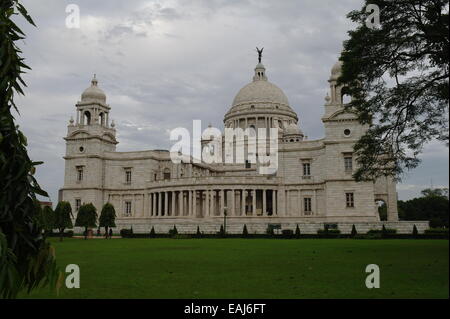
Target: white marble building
(313,184)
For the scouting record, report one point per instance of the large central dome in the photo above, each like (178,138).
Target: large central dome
(260,91)
(260,99)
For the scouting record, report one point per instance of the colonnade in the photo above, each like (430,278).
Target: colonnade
(213,202)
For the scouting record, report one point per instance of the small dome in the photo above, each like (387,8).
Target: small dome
(93,93)
(336,70)
(292,129)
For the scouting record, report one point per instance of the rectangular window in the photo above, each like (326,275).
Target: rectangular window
(79,173)
(77,204)
(349,198)
(127,209)
(307,169)
(128,176)
(348,163)
(307,205)
(248,164)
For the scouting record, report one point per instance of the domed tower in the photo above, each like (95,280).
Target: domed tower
(340,123)
(88,138)
(91,132)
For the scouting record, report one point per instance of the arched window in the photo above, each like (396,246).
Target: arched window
(102,119)
(252,130)
(345,96)
(382,209)
(87,118)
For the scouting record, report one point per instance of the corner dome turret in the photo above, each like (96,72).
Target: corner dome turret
(336,70)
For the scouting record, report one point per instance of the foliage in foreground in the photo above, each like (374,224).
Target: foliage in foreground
(26,259)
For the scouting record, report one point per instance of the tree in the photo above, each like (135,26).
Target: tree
(435,192)
(107,218)
(415,232)
(63,217)
(354,232)
(297,232)
(398,77)
(87,217)
(245,231)
(47,219)
(26,258)
(198,234)
(152,232)
(432,206)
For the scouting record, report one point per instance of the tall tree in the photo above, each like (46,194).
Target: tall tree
(107,218)
(63,217)
(47,219)
(433,206)
(86,217)
(26,259)
(435,192)
(398,76)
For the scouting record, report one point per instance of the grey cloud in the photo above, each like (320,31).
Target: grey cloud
(193,59)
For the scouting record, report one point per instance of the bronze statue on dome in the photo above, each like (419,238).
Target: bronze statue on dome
(260,51)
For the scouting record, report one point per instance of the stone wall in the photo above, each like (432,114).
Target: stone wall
(212,226)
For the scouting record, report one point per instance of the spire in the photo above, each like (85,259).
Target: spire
(94,80)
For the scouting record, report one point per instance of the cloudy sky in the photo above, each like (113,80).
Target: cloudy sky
(164,63)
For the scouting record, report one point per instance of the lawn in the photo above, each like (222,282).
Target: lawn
(252,268)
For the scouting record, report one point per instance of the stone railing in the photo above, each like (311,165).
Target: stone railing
(215,180)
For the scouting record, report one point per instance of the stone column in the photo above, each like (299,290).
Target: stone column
(194,203)
(211,204)
(206,203)
(274,203)
(172,209)
(233,203)
(159,204)
(154,211)
(166,204)
(253,202)
(222,201)
(264,208)
(243,202)
(180,203)
(190,204)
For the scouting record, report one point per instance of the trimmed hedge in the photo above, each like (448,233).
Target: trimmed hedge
(67,234)
(290,234)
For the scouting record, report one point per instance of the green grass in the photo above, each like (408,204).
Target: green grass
(252,268)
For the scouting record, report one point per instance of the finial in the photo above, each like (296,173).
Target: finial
(71,120)
(94,80)
(260,51)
